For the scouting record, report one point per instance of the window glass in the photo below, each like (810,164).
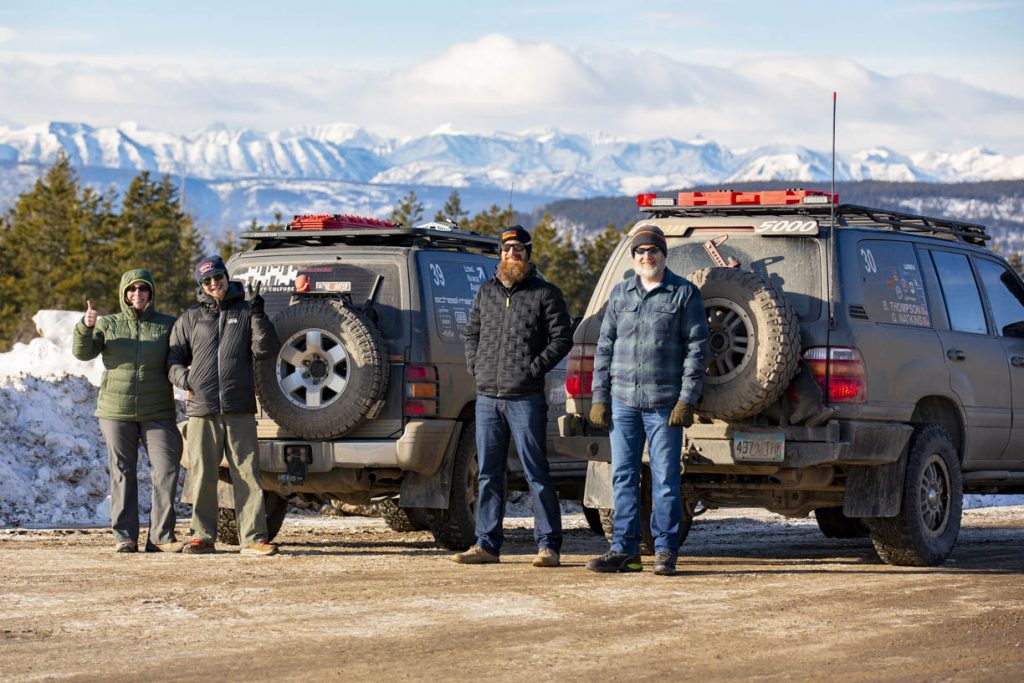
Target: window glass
(1004,291)
(959,289)
(451,286)
(891,283)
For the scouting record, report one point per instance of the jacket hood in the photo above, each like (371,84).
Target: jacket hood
(132,276)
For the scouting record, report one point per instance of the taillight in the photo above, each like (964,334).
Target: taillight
(579,371)
(421,390)
(839,371)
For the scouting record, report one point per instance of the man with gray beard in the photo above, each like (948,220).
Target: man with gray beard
(519,328)
(649,365)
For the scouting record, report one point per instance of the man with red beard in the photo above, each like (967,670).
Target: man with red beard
(519,328)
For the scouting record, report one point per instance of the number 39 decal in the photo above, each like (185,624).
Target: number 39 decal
(787,227)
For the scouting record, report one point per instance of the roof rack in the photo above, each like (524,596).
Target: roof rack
(393,237)
(847,215)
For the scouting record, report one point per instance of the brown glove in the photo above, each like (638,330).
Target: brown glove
(601,416)
(682,415)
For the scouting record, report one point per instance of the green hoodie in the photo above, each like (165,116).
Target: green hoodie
(134,347)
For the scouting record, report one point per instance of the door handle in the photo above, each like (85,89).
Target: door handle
(1017,361)
(954,354)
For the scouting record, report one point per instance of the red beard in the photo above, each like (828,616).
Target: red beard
(512,272)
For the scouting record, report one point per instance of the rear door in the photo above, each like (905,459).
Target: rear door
(978,367)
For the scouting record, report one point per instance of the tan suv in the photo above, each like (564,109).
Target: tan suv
(865,365)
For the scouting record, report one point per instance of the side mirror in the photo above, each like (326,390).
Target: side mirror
(1014,329)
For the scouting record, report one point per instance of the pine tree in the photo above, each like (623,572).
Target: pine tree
(490,222)
(408,212)
(452,210)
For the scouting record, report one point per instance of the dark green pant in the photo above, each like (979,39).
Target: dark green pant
(234,436)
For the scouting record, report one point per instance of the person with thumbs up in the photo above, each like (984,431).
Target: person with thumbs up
(135,405)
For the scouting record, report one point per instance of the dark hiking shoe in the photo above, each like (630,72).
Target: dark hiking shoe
(172,547)
(198,546)
(475,555)
(665,563)
(126,547)
(612,561)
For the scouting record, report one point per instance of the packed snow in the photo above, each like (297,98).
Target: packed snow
(53,460)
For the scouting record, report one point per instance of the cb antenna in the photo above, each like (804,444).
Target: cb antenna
(511,216)
(832,202)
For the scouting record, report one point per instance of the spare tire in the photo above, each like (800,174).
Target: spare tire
(330,373)
(753,342)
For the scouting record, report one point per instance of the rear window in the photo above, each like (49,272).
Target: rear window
(791,264)
(452,283)
(891,283)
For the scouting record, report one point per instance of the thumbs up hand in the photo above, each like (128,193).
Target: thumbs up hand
(90,314)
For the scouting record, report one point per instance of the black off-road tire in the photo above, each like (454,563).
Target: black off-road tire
(925,531)
(646,537)
(455,528)
(277,510)
(753,342)
(834,524)
(330,373)
(402,520)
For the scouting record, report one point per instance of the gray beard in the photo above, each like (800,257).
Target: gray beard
(650,272)
(511,273)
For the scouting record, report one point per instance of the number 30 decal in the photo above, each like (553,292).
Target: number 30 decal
(869,261)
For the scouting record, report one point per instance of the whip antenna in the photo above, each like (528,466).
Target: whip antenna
(832,203)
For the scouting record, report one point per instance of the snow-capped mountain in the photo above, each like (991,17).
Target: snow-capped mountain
(232,175)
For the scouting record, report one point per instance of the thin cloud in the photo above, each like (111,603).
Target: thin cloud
(6,34)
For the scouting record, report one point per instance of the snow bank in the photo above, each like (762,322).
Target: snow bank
(49,355)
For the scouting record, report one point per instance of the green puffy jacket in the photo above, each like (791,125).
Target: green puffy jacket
(134,347)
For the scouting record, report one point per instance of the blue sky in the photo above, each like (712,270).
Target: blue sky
(910,75)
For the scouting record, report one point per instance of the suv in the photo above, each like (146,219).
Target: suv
(863,364)
(369,397)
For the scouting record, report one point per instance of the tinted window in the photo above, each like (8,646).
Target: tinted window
(963,302)
(1004,291)
(891,283)
(451,286)
(790,264)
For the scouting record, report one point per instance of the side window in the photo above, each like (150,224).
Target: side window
(960,290)
(451,286)
(1005,294)
(891,283)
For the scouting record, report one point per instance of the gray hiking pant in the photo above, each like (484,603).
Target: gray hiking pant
(234,436)
(162,441)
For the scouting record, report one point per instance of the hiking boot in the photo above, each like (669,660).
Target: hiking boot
(475,555)
(665,563)
(126,547)
(613,561)
(198,546)
(172,547)
(546,557)
(264,548)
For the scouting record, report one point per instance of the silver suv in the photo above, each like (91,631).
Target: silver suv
(864,364)
(369,397)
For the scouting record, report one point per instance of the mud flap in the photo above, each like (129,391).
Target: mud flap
(598,493)
(422,491)
(875,490)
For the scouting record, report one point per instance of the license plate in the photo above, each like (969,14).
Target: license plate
(760,446)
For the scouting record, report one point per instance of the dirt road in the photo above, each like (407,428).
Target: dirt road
(759,598)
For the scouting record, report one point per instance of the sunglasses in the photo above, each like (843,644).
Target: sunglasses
(514,246)
(138,288)
(643,251)
(207,281)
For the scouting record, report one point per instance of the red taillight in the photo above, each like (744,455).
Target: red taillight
(421,390)
(579,371)
(839,371)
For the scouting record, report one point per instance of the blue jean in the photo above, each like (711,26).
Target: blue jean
(523,419)
(630,427)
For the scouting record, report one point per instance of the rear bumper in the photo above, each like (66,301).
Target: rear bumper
(848,442)
(420,448)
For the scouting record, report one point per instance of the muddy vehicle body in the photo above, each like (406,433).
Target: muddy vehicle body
(369,398)
(865,365)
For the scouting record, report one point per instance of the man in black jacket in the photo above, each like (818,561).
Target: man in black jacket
(519,328)
(212,347)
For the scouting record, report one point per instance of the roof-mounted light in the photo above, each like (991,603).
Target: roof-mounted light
(759,198)
(337,221)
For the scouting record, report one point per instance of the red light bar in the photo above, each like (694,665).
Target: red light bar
(645,199)
(760,198)
(336,221)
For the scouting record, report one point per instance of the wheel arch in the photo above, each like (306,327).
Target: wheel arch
(942,411)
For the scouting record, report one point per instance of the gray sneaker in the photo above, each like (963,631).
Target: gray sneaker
(126,547)
(546,557)
(665,563)
(475,555)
